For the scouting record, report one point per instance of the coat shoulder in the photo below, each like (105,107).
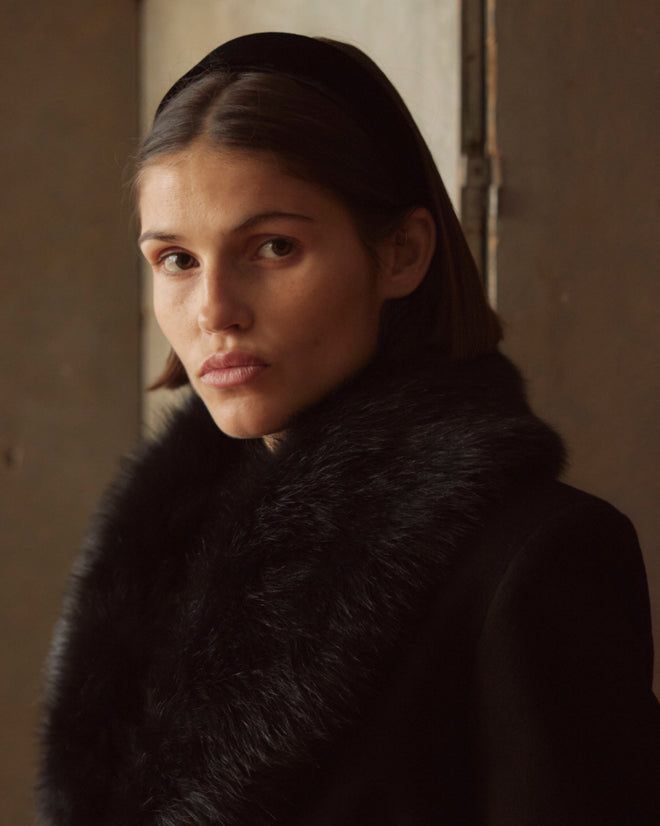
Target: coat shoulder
(563,667)
(566,545)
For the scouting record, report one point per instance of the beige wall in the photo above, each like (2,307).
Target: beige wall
(415,42)
(69,324)
(578,254)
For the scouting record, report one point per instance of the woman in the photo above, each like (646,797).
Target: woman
(344,586)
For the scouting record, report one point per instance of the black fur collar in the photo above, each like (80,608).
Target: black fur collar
(231,607)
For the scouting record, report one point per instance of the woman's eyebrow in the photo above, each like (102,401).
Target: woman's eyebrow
(158,236)
(249,223)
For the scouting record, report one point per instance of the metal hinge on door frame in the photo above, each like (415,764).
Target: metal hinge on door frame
(481,167)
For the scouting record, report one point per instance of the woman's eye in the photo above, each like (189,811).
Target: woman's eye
(177,262)
(276,248)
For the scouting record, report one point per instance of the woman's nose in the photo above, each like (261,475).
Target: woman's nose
(222,303)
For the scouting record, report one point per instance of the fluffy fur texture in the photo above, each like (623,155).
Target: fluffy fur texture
(232,609)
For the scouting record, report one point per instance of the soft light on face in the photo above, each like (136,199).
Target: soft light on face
(262,285)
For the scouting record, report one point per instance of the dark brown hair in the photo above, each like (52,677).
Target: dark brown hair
(319,141)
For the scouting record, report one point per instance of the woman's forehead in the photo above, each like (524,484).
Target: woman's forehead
(231,186)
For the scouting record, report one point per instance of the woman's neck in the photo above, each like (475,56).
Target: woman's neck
(273,441)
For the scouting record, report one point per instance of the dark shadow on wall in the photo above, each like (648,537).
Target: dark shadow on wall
(68,321)
(578,253)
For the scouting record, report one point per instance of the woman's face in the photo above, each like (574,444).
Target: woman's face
(261,284)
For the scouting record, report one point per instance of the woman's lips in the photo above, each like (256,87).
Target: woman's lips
(230,369)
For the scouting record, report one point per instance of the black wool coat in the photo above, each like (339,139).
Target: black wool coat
(397,618)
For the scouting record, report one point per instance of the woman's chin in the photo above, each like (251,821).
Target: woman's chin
(246,427)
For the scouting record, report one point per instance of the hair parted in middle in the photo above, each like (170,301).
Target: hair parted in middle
(318,140)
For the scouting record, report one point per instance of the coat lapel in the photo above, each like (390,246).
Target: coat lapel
(235,608)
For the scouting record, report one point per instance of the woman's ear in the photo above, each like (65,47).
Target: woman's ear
(406,255)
